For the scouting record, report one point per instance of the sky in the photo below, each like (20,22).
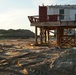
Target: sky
(14,13)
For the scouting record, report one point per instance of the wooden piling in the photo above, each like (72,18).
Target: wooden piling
(36,42)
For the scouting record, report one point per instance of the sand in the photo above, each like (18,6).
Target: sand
(21,57)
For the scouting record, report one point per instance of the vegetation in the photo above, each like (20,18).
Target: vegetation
(20,33)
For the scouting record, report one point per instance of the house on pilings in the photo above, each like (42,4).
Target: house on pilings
(60,18)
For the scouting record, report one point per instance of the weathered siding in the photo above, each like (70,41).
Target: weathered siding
(49,11)
(43,14)
(52,11)
(72,14)
(69,13)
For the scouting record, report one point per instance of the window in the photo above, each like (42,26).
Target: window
(61,11)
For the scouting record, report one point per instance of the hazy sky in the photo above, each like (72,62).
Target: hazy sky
(13,13)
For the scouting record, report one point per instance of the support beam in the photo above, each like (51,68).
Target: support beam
(48,36)
(45,36)
(74,37)
(41,35)
(36,42)
(60,33)
(58,36)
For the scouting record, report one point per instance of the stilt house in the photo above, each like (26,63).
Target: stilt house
(61,19)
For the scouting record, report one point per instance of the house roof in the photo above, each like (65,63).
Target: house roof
(63,6)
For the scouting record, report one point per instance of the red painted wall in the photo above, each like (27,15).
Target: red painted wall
(42,13)
(52,18)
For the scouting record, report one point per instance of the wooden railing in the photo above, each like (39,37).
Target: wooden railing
(36,18)
(49,18)
(33,19)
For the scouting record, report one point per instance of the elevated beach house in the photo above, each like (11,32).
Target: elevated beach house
(60,18)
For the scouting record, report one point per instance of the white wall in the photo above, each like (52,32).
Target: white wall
(69,13)
(52,11)
(49,11)
(72,14)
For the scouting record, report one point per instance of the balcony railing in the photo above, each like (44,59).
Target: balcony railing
(52,18)
(33,19)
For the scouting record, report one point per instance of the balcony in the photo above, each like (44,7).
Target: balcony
(50,20)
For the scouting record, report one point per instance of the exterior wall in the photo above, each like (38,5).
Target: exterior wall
(49,11)
(68,12)
(52,18)
(72,14)
(52,11)
(43,14)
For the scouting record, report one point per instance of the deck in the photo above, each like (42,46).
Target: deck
(62,23)
(36,22)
